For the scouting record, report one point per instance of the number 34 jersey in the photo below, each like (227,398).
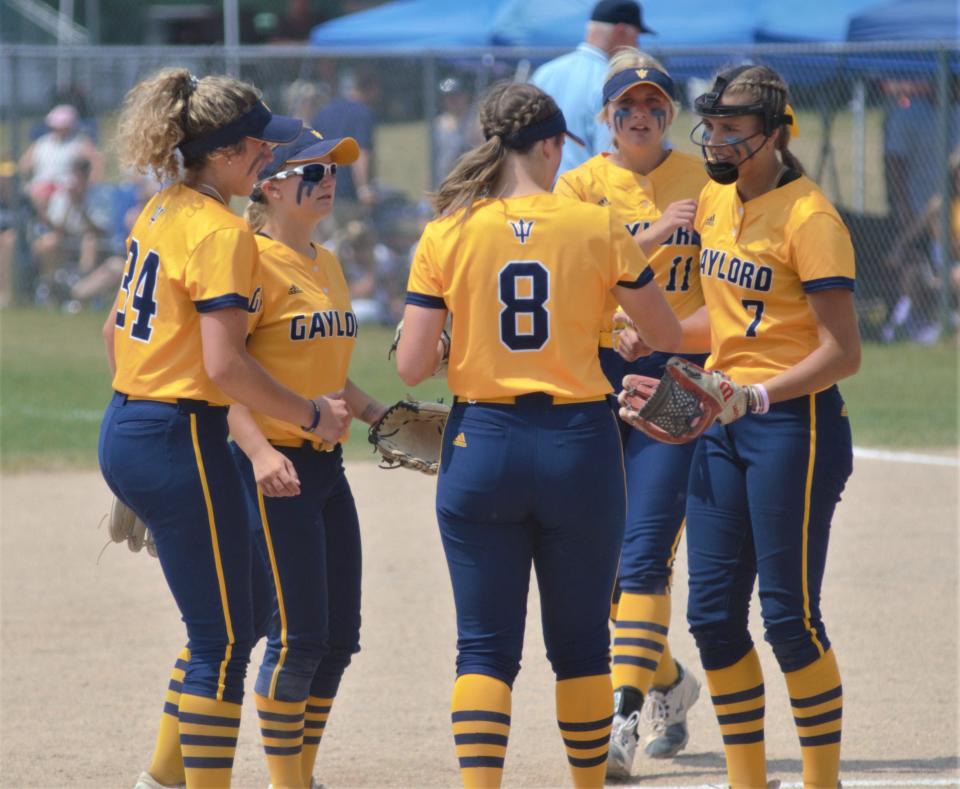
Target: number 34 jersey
(187,254)
(758,262)
(526,279)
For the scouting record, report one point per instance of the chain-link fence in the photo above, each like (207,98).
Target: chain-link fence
(879,130)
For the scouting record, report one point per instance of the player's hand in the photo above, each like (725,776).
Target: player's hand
(630,346)
(678,214)
(335,417)
(275,474)
(634,394)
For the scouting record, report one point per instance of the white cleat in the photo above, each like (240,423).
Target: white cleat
(623,745)
(666,712)
(147,781)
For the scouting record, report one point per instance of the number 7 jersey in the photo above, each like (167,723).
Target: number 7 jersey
(526,279)
(758,260)
(187,254)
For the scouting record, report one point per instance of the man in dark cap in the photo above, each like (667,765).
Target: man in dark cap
(575,80)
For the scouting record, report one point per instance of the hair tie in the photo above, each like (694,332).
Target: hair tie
(192,83)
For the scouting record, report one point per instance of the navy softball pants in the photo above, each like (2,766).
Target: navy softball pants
(657,476)
(531,484)
(169,462)
(311,547)
(762,494)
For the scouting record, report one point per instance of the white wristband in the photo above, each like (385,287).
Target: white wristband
(764,399)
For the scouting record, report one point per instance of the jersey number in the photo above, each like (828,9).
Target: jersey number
(753,304)
(524,321)
(143,303)
(672,282)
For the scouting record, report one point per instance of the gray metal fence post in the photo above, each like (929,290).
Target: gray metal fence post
(430,112)
(946,187)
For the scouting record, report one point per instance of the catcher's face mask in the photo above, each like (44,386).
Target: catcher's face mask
(724,154)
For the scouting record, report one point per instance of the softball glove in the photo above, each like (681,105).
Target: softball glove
(409,435)
(684,402)
(126,526)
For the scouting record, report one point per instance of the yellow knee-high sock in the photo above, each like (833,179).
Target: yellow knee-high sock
(639,639)
(208,740)
(816,696)
(480,713)
(315,722)
(167,763)
(281,732)
(584,715)
(666,673)
(738,700)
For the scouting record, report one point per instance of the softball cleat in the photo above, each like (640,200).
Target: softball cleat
(666,712)
(623,745)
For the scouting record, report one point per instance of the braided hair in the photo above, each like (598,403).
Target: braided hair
(764,85)
(507,108)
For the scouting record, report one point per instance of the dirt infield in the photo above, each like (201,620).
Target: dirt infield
(87,646)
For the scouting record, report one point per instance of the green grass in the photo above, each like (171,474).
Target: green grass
(54,385)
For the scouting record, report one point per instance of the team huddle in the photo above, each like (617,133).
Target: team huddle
(567,301)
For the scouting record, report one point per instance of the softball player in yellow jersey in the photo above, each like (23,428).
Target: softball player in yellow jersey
(777,273)
(305,518)
(652,190)
(176,346)
(531,471)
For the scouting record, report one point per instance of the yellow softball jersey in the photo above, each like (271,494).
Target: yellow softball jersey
(187,254)
(526,279)
(758,261)
(638,201)
(305,333)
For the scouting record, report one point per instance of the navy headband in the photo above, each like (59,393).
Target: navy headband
(251,124)
(622,81)
(541,130)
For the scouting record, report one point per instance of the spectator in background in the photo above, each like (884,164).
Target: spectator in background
(918,260)
(375,272)
(303,99)
(913,168)
(351,115)
(72,228)
(47,163)
(456,129)
(575,80)
(9,219)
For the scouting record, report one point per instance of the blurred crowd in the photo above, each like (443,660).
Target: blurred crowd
(63,226)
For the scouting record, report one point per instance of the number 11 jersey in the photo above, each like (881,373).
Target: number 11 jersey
(526,280)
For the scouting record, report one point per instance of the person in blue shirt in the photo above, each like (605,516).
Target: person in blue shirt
(575,80)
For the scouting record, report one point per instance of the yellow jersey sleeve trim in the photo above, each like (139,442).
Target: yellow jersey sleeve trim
(221,302)
(425,300)
(645,278)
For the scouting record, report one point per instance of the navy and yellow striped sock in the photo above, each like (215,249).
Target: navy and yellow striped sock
(281,732)
(667,673)
(739,702)
(639,638)
(208,740)
(816,696)
(584,715)
(318,711)
(167,763)
(480,714)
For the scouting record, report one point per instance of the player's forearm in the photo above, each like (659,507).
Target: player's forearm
(696,332)
(242,379)
(828,364)
(245,431)
(108,333)
(362,405)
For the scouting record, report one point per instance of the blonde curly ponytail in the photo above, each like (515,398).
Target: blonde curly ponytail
(163,110)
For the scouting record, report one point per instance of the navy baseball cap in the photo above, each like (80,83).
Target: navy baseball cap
(310,146)
(622,81)
(616,12)
(258,122)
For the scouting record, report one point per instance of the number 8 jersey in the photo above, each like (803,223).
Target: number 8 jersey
(526,280)
(187,254)
(758,260)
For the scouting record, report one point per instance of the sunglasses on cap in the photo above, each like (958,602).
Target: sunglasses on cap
(311,173)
